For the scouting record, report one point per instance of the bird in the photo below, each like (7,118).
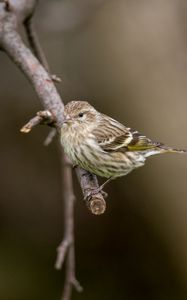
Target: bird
(102,145)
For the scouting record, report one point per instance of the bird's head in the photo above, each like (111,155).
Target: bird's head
(77,114)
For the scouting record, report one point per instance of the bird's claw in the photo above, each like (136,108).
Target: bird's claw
(94,191)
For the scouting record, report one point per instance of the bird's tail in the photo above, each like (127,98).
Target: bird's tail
(160,148)
(165,149)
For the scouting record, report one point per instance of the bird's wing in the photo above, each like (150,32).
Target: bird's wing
(113,136)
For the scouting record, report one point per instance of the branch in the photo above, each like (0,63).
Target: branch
(42,117)
(67,245)
(36,47)
(34,42)
(88,182)
(36,69)
(12,44)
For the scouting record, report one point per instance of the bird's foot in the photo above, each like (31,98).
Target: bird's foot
(93,191)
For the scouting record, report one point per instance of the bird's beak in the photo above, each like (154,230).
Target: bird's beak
(66,119)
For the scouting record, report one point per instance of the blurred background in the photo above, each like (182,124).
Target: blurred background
(129,59)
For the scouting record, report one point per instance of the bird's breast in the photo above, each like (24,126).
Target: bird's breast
(73,142)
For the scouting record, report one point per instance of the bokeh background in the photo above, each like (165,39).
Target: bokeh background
(129,59)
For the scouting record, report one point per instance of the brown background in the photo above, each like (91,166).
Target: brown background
(129,59)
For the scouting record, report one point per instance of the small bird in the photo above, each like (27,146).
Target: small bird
(102,145)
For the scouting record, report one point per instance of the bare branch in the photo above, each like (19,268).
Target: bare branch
(36,69)
(34,42)
(61,253)
(67,245)
(42,117)
(50,137)
(88,182)
(13,45)
(36,47)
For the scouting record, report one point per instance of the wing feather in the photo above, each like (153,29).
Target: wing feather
(114,136)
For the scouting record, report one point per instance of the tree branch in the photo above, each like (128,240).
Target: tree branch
(34,42)
(12,44)
(13,13)
(36,47)
(67,245)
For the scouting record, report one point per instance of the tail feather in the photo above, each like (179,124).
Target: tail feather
(166,149)
(161,148)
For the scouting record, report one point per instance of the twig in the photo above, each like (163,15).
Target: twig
(42,117)
(50,137)
(36,47)
(34,42)
(70,279)
(67,245)
(61,253)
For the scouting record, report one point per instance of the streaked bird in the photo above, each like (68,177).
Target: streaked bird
(102,145)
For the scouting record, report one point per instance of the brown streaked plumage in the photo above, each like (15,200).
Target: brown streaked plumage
(102,145)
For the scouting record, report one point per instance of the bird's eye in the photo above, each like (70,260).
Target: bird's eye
(80,114)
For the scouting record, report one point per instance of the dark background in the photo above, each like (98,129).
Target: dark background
(129,59)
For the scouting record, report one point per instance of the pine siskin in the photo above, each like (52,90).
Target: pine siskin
(102,145)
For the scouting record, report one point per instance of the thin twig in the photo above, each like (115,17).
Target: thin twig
(67,245)
(36,47)
(70,279)
(61,253)
(50,137)
(42,117)
(34,42)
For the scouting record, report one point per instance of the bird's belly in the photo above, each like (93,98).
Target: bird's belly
(118,164)
(107,164)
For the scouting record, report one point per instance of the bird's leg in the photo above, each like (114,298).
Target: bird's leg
(107,181)
(99,189)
